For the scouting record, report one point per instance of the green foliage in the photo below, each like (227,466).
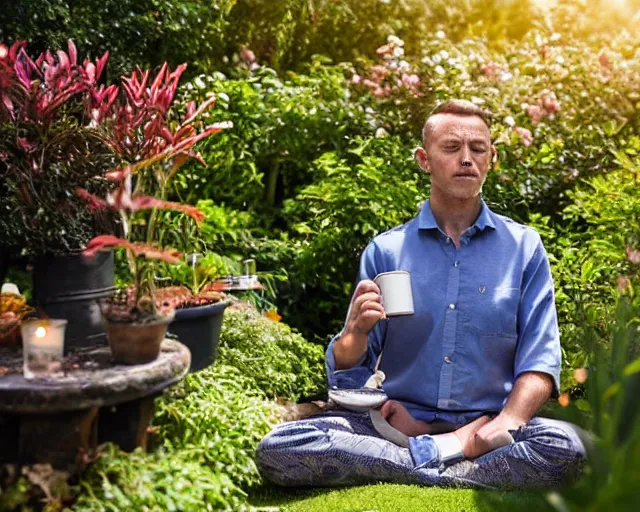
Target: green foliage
(160,481)
(220,228)
(587,255)
(281,124)
(136,32)
(209,426)
(219,416)
(374,187)
(613,383)
(276,360)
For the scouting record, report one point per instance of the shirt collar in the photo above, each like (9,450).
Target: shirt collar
(426,219)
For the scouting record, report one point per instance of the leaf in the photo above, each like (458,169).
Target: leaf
(611,391)
(632,368)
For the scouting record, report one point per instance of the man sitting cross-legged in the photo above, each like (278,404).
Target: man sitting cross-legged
(467,372)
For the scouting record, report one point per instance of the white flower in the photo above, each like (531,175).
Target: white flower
(404,66)
(436,58)
(440,34)
(509,121)
(444,54)
(440,70)
(560,59)
(398,51)
(395,40)
(476,100)
(222,125)
(505,76)
(381,132)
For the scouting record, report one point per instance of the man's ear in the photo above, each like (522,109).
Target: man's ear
(494,155)
(421,157)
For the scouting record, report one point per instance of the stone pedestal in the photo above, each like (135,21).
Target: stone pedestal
(61,421)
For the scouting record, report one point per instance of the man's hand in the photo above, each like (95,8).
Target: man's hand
(493,435)
(399,418)
(364,312)
(365,309)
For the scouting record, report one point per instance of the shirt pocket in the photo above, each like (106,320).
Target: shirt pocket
(492,312)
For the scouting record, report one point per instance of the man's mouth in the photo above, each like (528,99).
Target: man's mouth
(466,175)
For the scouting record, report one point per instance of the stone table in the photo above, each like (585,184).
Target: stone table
(61,421)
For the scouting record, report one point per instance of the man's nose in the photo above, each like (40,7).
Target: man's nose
(465,158)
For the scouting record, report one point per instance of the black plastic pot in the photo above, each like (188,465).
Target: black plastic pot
(69,287)
(199,329)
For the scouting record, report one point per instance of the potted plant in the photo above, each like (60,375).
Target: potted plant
(49,146)
(154,144)
(199,315)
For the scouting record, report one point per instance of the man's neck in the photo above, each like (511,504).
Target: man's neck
(455,215)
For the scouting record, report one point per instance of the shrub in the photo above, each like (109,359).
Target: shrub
(587,254)
(612,376)
(277,360)
(138,32)
(209,426)
(281,124)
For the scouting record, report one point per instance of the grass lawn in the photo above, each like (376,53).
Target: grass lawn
(393,498)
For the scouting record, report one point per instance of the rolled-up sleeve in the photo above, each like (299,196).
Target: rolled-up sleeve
(538,348)
(371,265)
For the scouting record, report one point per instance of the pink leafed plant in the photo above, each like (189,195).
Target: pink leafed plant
(141,126)
(48,147)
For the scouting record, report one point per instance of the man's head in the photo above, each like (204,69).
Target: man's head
(457,150)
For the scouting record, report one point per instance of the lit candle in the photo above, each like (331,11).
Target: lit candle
(43,347)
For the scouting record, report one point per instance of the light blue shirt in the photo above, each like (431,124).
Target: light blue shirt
(484,314)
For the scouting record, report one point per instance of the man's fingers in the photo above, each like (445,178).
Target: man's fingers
(364,286)
(366,297)
(371,314)
(387,409)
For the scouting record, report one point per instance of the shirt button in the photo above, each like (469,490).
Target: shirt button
(452,306)
(447,359)
(456,264)
(448,240)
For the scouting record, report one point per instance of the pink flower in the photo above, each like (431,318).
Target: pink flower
(550,103)
(384,49)
(633,256)
(525,135)
(490,70)
(535,114)
(410,80)
(247,55)
(604,61)
(623,283)
(379,72)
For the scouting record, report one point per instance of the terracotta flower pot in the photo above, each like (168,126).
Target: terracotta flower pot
(136,343)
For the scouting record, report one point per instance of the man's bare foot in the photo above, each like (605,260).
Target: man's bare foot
(398,417)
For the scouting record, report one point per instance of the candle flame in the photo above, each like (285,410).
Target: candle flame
(40,332)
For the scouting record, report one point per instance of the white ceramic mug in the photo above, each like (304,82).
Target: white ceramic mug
(395,288)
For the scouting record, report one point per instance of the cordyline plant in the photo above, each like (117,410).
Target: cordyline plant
(49,146)
(139,127)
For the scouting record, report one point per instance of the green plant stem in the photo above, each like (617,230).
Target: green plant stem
(272,182)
